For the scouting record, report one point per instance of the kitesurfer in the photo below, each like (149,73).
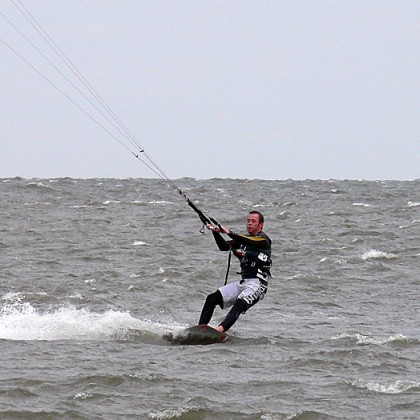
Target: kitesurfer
(254,253)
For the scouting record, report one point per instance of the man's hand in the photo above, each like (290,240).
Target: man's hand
(218,228)
(224,230)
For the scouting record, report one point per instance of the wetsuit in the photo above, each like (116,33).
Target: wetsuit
(254,254)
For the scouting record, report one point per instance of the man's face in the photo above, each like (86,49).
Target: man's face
(253,225)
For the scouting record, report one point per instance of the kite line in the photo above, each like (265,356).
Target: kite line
(125,137)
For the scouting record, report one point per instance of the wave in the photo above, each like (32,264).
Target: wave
(366,340)
(375,254)
(40,185)
(112,202)
(413,204)
(396,387)
(361,205)
(160,202)
(139,243)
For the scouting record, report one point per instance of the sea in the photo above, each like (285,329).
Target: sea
(97,274)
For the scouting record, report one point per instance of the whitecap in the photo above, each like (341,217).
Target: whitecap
(160,202)
(360,338)
(296,276)
(375,254)
(76,296)
(82,396)
(39,185)
(138,243)
(13,296)
(168,413)
(111,202)
(366,340)
(413,204)
(262,205)
(396,387)
(361,205)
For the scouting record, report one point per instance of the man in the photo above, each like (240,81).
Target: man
(254,254)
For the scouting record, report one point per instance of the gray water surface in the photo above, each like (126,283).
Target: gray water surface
(94,273)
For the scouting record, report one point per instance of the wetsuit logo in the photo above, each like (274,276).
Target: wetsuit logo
(256,296)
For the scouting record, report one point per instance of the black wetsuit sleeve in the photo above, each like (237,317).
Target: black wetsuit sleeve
(222,244)
(259,241)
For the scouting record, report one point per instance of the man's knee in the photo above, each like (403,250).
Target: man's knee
(215,298)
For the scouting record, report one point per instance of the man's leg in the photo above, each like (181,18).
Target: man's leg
(240,307)
(212,300)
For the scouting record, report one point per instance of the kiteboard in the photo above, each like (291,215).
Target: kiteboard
(199,335)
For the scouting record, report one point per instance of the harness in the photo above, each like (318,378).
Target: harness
(254,262)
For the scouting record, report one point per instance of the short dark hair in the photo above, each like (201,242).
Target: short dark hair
(260,216)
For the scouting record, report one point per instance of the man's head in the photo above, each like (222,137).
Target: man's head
(254,222)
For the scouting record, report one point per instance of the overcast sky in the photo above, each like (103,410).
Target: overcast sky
(230,89)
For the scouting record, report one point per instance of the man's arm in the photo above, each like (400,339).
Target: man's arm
(221,242)
(256,241)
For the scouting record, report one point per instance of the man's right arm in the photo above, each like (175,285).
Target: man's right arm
(221,242)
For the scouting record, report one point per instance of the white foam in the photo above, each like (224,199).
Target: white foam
(366,340)
(82,396)
(413,204)
(13,296)
(373,253)
(361,205)
(262,205)
(160,202)
(111,202)
(389,388)
(21,321)
(39,185)
(168,414)
(90,281)
(138,243)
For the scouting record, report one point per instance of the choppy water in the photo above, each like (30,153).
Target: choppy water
(95,272)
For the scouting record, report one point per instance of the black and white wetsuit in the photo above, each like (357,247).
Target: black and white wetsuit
(254,254)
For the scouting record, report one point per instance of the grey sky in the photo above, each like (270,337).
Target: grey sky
(241,89)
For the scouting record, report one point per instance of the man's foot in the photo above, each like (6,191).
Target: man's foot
(220,328)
